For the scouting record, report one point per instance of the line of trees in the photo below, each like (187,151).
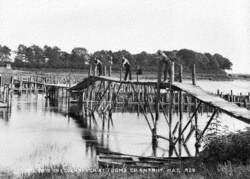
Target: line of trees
(79,58)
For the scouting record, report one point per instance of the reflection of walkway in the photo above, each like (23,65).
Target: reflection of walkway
(5,114)
(91,128)
(101,123)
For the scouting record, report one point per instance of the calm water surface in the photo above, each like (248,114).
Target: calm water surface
(35,132)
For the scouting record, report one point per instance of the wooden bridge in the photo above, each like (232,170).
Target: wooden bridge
(102,93)
(208,98)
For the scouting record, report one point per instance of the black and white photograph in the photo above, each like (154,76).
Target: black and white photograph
(119,89)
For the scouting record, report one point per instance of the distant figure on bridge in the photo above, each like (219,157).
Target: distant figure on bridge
(138,71)
(99,66)
(165,59)
(110,63)
(127,66)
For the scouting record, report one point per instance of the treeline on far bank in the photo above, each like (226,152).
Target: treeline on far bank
(79,58)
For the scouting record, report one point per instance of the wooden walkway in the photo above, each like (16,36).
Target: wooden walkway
(92,79)
(227,107)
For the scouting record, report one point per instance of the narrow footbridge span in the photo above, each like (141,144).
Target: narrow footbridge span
(227,107)
(211,99)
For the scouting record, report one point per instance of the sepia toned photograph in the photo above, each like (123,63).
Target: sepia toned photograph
(142,89)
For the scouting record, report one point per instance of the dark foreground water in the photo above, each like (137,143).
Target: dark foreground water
(35,132)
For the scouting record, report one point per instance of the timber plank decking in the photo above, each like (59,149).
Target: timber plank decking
(92,79)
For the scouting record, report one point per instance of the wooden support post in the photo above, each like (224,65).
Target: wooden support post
(90,69)
(180,112)
(157,100)
(195,112)
(150,111)
(218,92)
(95,70)
(110,69)
(208,123)
(121,73)
(171,108)
(172,72)
(104,70)
(21,85)
(165,71)
(193,75)
(231,96)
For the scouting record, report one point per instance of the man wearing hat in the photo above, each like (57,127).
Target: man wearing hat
(99,66)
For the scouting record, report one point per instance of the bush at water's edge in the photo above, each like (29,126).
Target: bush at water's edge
(232,147)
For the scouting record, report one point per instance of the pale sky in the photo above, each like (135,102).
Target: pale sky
(215,26)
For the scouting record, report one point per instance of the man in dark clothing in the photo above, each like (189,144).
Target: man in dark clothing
(99,67)
(127,67)
(165,59)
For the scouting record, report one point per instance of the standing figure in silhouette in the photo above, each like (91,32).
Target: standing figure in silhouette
(126,65)
(99,67)
(165,59)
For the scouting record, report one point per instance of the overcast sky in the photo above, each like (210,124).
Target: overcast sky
(215,26)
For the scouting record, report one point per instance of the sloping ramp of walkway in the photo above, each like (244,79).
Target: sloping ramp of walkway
(229,108)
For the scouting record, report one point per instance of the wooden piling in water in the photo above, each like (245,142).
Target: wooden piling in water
(161,66)
(171,80)
(193,75)
(180,113)
(195,112)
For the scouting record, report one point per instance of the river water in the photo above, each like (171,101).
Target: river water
(35,132)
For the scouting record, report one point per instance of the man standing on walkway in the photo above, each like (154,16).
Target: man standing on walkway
(166,60)
(126,65)
(110,63)
(99,66)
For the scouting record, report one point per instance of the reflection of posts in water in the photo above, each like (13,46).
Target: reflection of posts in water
(90,122)
(5,113)
(154,142)
(6,95)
